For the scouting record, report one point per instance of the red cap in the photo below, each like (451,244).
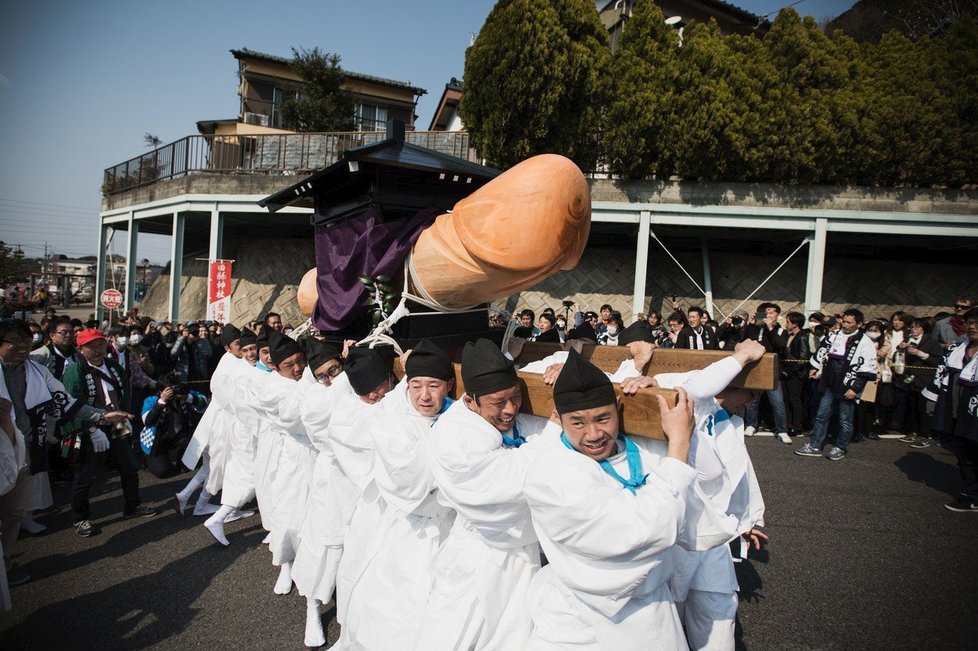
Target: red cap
(87,336)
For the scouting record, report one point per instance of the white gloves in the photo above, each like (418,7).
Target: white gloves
(100,441)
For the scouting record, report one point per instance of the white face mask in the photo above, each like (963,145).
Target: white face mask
(561,324)
(36,338)
(121,342)
(873,335)
(135,339)
(612,331)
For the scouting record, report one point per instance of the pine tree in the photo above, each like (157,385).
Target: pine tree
(321,103)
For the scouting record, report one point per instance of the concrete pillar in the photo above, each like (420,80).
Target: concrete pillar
(707,280)
(131,254)
(816,266)
(216,245)
(103,238)
(176,266)
(641,263)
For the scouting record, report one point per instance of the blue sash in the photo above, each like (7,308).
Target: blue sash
(632,456)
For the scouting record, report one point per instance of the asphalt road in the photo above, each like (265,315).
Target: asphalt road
(862,556)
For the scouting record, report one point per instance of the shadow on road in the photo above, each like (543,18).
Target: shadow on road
(136,613)
(934,473)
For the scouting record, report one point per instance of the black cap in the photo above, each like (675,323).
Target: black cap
(229,334)
(319,352)
(428,360)
(638,331)
(367,370)
(281,347)
(247,338)
(581,385)
(485,369)
(263,337)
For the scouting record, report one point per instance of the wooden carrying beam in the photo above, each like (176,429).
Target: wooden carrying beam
(761,375)
(639,412)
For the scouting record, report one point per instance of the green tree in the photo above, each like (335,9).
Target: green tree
(321,103)
(641,91)
(534,82)
(13,266)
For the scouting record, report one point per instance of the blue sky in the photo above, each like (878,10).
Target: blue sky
(82,81)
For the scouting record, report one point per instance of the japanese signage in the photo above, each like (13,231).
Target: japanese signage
(219,291)
(111,299)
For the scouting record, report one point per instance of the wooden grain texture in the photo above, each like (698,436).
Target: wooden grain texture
(639,412)
(760,375)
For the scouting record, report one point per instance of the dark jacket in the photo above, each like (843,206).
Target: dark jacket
(686,339)
(794,361)
(920,369)
(774,341)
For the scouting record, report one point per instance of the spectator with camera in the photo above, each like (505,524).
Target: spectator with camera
(767,331)
(731,331)
(169,419)
(99,381)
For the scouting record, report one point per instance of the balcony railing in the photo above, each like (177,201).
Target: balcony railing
(269,154)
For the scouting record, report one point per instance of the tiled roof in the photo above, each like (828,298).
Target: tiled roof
(245,52)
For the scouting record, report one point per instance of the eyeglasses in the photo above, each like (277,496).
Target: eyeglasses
(958,306)
(322,378)
(63,333)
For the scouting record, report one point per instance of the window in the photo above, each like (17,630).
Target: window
(371,117)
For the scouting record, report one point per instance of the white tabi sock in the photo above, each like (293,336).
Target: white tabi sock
(28,524)
(215,524)
(315,636)
(284,583)
(203,506)
(238,514)
(196,482)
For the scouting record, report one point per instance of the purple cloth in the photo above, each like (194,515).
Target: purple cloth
(368,244)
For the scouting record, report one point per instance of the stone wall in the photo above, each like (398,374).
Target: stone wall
(606,275)
(264,278)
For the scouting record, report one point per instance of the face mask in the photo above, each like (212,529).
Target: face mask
(873,335)
(135,339)
(121,342)
(36,338)
(561,324)
(612,331)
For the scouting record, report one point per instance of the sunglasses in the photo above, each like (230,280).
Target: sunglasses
(958,306)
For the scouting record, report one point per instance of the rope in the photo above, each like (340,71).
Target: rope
(683,269)
(771,275)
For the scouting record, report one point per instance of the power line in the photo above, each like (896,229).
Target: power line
(42,203)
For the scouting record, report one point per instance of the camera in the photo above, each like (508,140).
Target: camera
(568,303)
(736,321)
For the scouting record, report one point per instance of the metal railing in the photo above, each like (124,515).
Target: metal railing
(269,154)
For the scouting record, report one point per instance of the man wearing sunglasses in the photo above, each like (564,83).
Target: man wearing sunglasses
(952,330)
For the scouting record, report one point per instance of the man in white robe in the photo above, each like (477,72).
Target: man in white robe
(13,461)
(727,496)
(212,432)
(608,508)
(314,567)
(390,586)
(238,385)
(482,448)
(358,502)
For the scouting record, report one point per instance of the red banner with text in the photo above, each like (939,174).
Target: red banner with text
(219,291)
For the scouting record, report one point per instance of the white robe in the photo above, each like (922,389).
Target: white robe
(389,586)
(729,501)
(606,584)
(321,535)
(214,429)
(13,461)
(289,471)
(238,487)
(483,570)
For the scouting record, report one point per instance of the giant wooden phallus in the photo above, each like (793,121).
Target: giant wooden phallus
(515,231)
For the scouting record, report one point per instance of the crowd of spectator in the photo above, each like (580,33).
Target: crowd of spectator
(908,350)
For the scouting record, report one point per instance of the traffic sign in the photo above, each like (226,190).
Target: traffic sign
(111,299)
